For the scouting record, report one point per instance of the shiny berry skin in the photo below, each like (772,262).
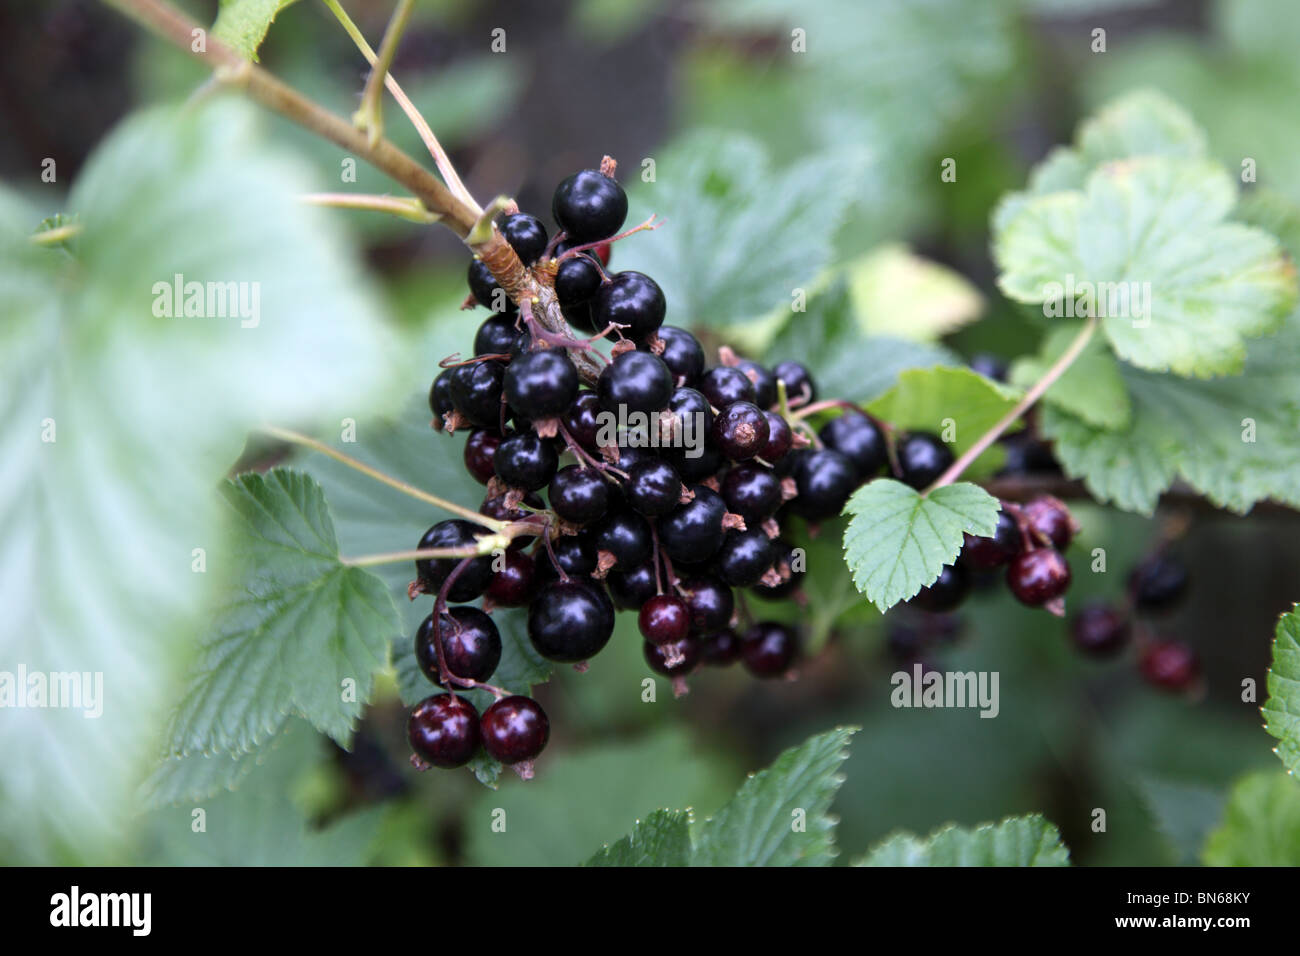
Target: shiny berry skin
(570,621)
(480,448)
(486,291)
(704,465)
(984,554)
(1158,583)
(1171,665)
(582,420)
(751,491)
(779,438)
(541,384)
(1099,630)
(1027,455)
(526,461)
(432,572)
(512,583)
(471,645)
(745,556)
(685,653)
(786,558)
(724,384)
(946,593)
(579,494)
(719,648)
(589,206)
(630,299)
(578,315)
(764,382)
(740,431)
(653,487)
(577,279)
(682,353)
(515,729)
(710,602)
(922,458)
(1038,576)
(625,535)
(636,382)
(440,401)
(664,619)
(575,553)
(799,386)
(694,418)
(496,336)
(526,235)
(824,478)
(1050,518)
(693,531)
(443,730)
(768,649)
(632,588)
(476,391)
(856,436)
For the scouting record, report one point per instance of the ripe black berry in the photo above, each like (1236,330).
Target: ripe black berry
(764,382)
(799,386)
(751,491)
(682,353)
(720,648)
(476,391)
(684,654)
(824,478)
(582,420)
(740,431)
(1158,583)
(788,560)
(512,581)
(724,384)
(526,461)
(1171,665)
(541,384)
(1050,518)
(496,336)
(486,291)
(636,382)
(693,532)
(515,729)
(922,458)
(709,601)
(570,621)
(1099,630)
(745,556)
(471,645)
(653,487)
(1038,576)
(480,448)
(946,593)
(692,419)
(440,400)
(432,572)
(626,536)
(579,494)
(577,279)
(1027,455)
(589,206)
(855,435)
(779,438)
(630,299)
(990,366)
(574,553)
(984,554)
(526,235)
(632,588)
(768,649)
(664,619)
(444,730)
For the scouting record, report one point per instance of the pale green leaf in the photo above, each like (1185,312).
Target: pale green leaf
(661,839)
(1261,825)
(1184,812)
(242,24)
(1282,709)
(1015,841)
(902,295)
(1092,388)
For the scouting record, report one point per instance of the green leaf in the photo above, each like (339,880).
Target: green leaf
(242,24)
(1261,825)
(1282,709)
(1015,841)
(902,295)
(1092,388)
(738,237)
(779,816)
(898,542)
(846,361)
(300,629)
(1184,812)
(1145,246)
(662,839)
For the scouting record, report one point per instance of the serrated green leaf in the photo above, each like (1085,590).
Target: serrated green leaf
(902,295)
(662,839)
(1091,389)
(1177,288)
(898,542)
(738,237)
(1261,825)
(300,629)
(1015,841)
(778,817)
(1282,709)
(242,24)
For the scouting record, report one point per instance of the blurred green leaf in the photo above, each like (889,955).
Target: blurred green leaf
(1261,825)
(1015,841)
(1092,388)
(1184,812)
(1282,709)
(242,24)
(900,294)
(662,839)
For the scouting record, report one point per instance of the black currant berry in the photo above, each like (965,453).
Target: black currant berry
(664,619)
(693,532)
(653,487)
(1171,665)
(512,582)
(480,448)
(764,382)
(751,491)
(476,391)
(990,366)
(440,400)
(432,572)
(626,536)
(697,467)
(1158,583)
(855,435)
(710,602)
(984,554)
(486,291)
(496,336)
(682,353)
(1027,455)
(684,654)
(515,729)
(1049,518)
(769,648)
(570,621)
(630,299)
(922,458)
(740,431)
(1099,630)
(720,648)
(577,279)
(471,645)
(789,560)
(946,593)
(1038,576)
(582,420)
(574,553)
(526,461)
(779,438)
(444,730)
(799,386)
(635,382)
(589,206)
(526,235)
(578,315)
(541,384)
(824,478)
(724,384)
(579,494)
(632,588)
(691,422)
(745,556)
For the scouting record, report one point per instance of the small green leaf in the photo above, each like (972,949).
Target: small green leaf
(1015,841)
(242,24)
(898,542)
(1282,709)
(299,630)
(662,839)
(778,818)
(902,295)
(1092,388)
(1261,825)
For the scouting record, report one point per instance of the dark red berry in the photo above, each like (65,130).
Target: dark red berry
(515,729)
(512,581)
(1171,665)
(480,449)
(779,438)
(1038,576)
(983,554)
(664,619)
(946,593)
(444,730)
(720,648)
(1158,583)
(1050,519)
(471,645)
(740,431)
(769,648)
(1099,630)
(684,654)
